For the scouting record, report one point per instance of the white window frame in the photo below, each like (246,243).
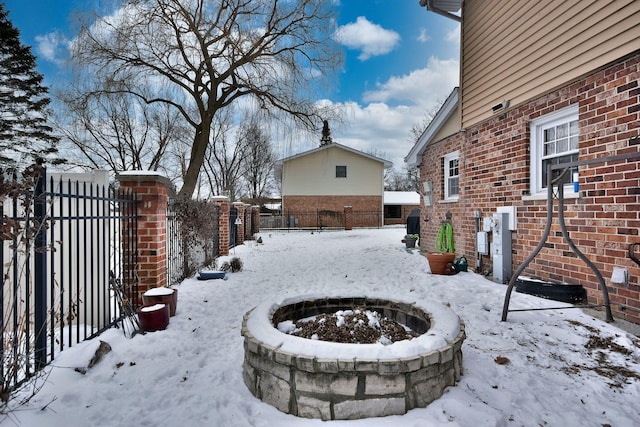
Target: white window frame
(446,173)
(537,127)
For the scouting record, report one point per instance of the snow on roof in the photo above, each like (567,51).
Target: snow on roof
(140,172)
(273,206)
(401,198)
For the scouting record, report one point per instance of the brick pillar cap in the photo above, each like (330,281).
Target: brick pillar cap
(144,176)
(238,203)
(220,198)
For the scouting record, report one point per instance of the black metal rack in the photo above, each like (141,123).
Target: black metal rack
(563,168)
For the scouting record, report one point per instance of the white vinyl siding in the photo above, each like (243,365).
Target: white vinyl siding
(315,174)
(517,50)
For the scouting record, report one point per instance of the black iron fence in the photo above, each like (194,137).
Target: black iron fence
(320,219)
(193,244)
(367,219)
(63,245)
(175,257)
(233,227)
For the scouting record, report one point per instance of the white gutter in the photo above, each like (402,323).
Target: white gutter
(431,7)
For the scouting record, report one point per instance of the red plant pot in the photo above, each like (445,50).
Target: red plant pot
(154,318)
(168,296)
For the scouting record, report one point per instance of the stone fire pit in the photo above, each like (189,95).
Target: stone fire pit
(332,381)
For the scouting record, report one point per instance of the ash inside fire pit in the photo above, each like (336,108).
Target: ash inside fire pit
(357,326)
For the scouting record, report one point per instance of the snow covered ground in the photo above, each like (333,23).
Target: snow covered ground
(191,373)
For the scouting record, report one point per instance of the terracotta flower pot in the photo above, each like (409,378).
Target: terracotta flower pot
(168,296)
(154,318)
(441,263)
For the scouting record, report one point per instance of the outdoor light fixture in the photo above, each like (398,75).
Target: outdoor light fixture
(620,275)
(238,221)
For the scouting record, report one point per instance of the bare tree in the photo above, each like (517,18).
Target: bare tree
(200,57)
(259,159)
(224,158)
(418,128)
(118,132)
(402,180)
(408,178)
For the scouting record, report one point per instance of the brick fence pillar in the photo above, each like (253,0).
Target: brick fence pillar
(223,224)
(348,218)
(255,218)
(248,216)
(240,229)
(152,192)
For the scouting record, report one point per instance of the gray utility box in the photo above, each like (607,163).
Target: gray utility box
(501,247)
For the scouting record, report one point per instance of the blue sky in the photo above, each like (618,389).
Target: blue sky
(400,61)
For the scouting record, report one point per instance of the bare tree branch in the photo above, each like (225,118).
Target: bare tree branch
(200,57)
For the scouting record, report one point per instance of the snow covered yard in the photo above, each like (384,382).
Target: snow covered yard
(541,368)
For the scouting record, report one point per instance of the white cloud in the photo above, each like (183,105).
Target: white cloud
(453,36)
(52,47)
(423,36)
(433,82)
(370,38)
(381,125)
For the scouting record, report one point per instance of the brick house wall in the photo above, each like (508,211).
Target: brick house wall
(432,216)
(495,171)
(306,208)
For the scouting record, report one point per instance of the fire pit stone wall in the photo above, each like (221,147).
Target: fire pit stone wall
(333,381)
